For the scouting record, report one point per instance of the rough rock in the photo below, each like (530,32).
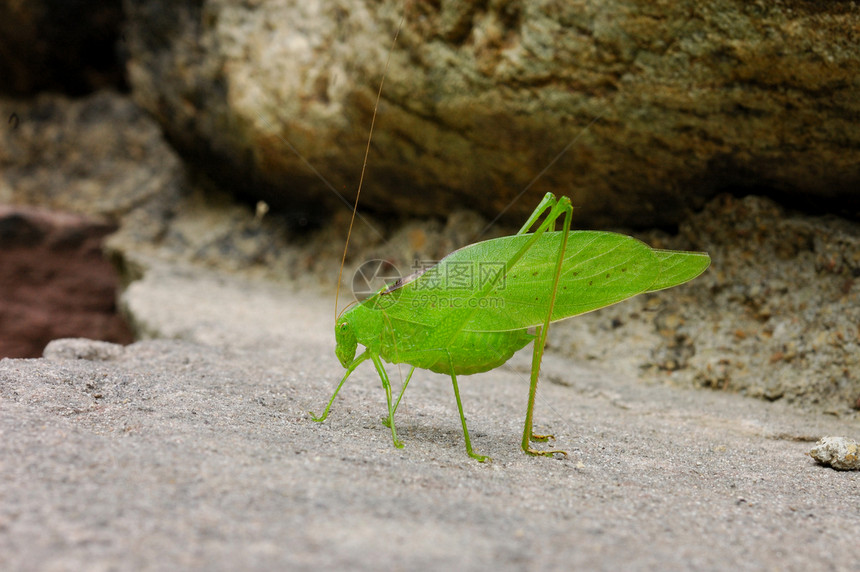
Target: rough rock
(775,316)
(99,155)
(636,110)
(55,281)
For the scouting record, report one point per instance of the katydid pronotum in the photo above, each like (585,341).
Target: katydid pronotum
(473,310)
(514,287)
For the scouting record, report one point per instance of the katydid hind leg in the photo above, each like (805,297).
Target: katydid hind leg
(529,435)
(562,206)
(537,358)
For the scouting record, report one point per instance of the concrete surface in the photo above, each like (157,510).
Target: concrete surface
(199,453)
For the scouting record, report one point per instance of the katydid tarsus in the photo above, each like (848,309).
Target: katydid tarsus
(482,303)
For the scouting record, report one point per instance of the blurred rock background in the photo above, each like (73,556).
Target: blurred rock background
(153,129)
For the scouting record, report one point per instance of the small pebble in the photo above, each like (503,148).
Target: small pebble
(82,348)
(837,452)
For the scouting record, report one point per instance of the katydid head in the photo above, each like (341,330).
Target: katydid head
(344,335)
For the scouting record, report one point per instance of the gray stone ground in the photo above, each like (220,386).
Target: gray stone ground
(199,453)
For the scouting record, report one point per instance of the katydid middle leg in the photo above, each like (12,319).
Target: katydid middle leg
(439,352)
(400,396)
(469,451)
(386,385)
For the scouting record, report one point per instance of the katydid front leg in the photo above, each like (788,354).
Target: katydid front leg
(383,375)
(355,363)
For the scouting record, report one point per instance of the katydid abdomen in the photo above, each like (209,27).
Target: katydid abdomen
(436,347)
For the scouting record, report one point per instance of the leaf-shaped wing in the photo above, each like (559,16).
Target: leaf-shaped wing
(478,289)
(677,267)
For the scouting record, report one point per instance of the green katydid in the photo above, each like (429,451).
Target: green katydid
(472,311)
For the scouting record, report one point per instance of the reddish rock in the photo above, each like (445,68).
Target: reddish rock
(54,281)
